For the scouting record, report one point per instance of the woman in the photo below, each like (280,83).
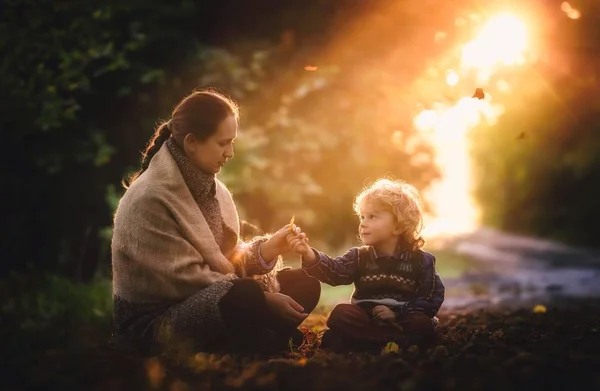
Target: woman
(178,263)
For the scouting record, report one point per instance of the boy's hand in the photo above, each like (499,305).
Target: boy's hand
(382,312)
(298,242)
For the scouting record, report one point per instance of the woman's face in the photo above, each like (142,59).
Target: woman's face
(211,154)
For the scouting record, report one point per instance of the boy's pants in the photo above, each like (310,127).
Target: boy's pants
(352,321)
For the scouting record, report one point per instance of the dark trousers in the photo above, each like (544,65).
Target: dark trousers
(249,320)
(250,325)
(355,323)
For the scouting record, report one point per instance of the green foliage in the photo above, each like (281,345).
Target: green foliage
(75,77)
(311,147)
(538,168)
(36,304)
(85,83)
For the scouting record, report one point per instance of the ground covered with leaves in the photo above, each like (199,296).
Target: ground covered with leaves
(553,347)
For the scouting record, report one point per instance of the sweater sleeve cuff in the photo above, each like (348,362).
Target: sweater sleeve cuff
(314,265)
(265,265)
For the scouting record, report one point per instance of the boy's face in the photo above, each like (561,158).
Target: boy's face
(377,225)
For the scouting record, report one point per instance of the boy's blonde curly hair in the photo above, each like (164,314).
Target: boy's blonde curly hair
(403,201)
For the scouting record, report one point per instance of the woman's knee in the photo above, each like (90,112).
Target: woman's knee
(301,287)
(244,301)
(312,287)
(290,277)
(245,288)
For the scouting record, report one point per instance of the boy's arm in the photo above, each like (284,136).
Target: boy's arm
(332,271)
(430,295)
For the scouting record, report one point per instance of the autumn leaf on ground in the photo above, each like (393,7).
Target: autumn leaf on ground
(155,372)
(539,309)
(391,347)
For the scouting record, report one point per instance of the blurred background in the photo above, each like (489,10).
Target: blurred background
(333,94)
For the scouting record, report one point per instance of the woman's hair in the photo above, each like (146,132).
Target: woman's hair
(199,113)
(403,201)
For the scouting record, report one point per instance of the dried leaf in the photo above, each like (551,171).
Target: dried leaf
(155,372)
(479,94)
(391,347)
(539,309)
(292,224)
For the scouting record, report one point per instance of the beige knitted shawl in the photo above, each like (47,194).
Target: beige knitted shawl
(162,246)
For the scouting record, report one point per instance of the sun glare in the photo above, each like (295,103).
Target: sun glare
(501,42)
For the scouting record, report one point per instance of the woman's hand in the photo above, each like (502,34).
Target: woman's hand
(382,312)
(285,307)
(276,244)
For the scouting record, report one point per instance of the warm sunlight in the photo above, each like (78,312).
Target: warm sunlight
(501,42)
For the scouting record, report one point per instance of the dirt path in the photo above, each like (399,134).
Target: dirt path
(520,271)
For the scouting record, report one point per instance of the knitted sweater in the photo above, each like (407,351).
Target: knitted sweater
(405,281)
(203,187)
(163,249)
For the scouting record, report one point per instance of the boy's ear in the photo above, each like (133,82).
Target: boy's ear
(398,229)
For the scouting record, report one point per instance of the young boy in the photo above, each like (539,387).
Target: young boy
(397,289)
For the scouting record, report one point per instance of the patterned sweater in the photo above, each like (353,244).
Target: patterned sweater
(405,281)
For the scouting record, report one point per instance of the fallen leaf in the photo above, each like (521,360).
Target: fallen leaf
(539,309)
(155,372)
(391,347)
(479,94)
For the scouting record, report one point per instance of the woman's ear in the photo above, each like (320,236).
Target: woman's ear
(189,144)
